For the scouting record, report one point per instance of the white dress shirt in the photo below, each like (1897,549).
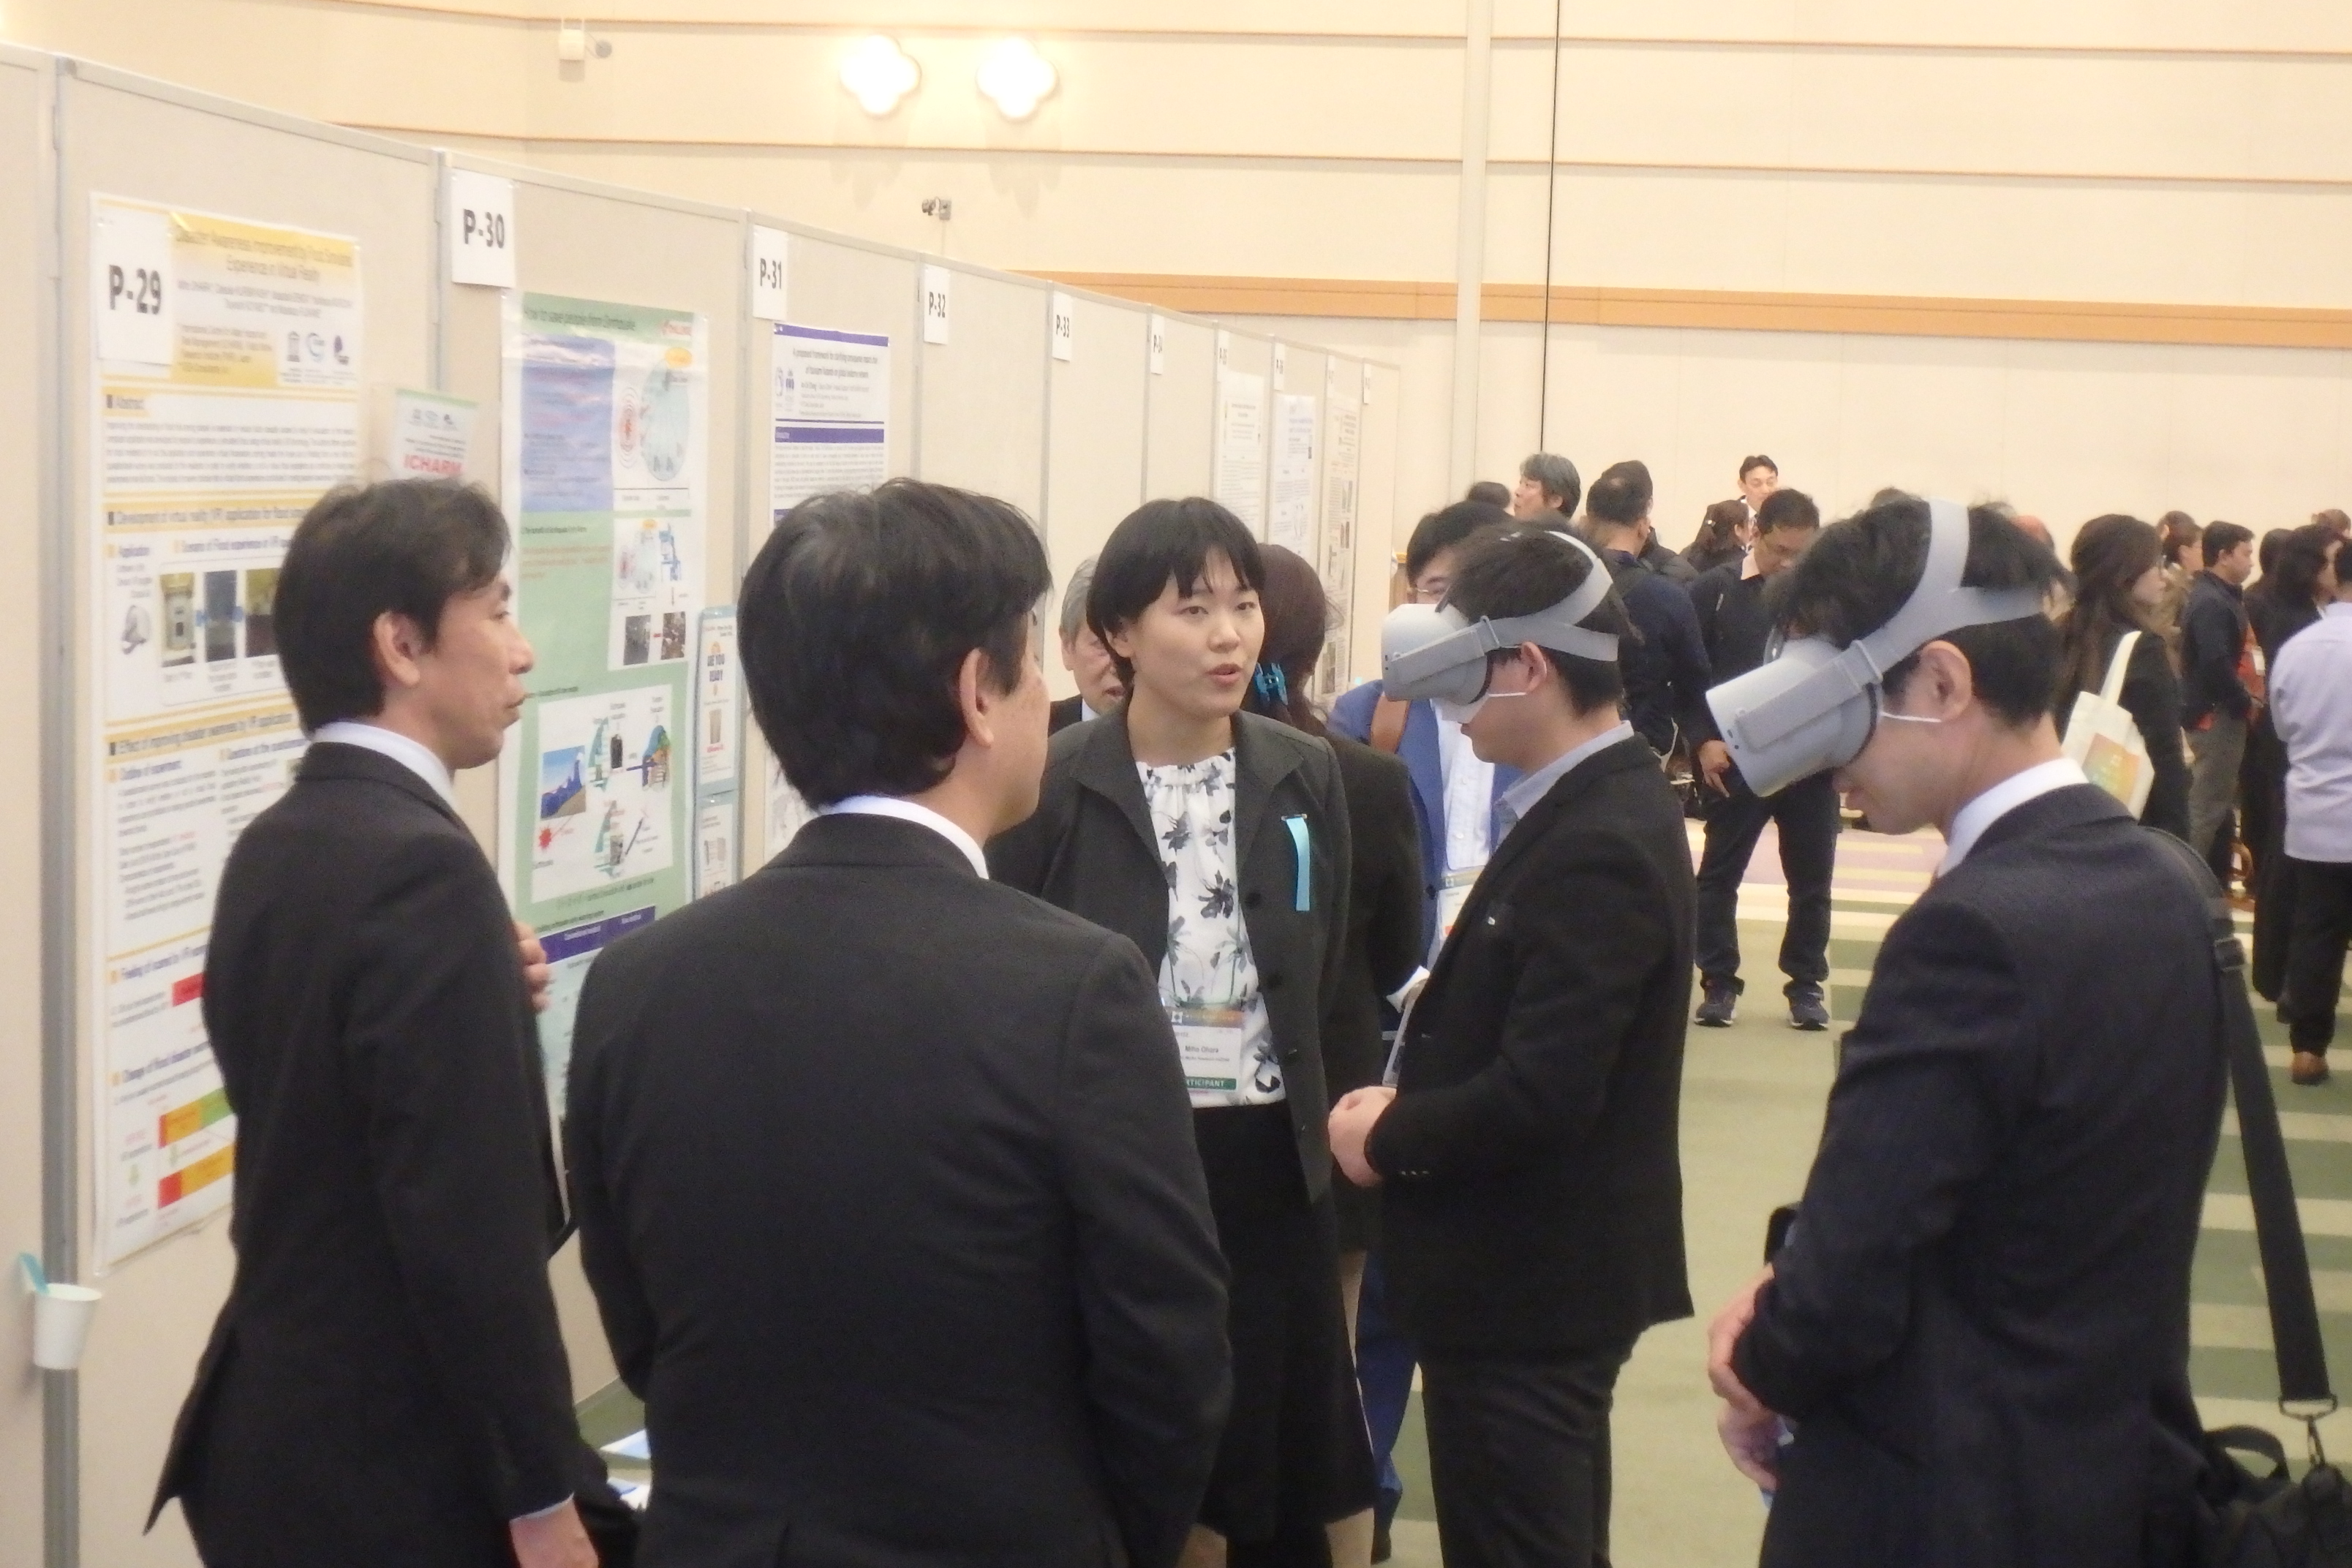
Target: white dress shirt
(1522,796)
(908,811)
(2311,704)
(1469,799)
(416,758)
(1998,802)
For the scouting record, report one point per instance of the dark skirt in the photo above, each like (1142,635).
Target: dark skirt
(1295,1455)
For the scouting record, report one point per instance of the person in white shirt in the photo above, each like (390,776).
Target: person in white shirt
(2311,703)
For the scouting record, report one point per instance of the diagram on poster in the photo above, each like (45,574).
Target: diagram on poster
(830,400)
(225,400)
(652,599)
(570,952)
(606,814)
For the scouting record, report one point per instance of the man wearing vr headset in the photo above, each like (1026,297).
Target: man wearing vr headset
(1978,1329)
(1532,1188)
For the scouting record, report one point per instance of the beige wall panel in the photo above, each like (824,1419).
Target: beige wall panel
(2083,24)
(983,395)
(1091,214)
(1180,451)
(349,64)
(1384,420)
(1094,474)
(160,1305)
(1338,17)
(26,405)
(2256,436)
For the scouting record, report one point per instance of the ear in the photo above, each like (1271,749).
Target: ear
(399,646)
(1944,685)
(982,706)
(1120,640)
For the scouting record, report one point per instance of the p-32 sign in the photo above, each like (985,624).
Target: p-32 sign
(480,229)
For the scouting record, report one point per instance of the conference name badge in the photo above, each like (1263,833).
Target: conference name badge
(1212,1045)
(1454,896)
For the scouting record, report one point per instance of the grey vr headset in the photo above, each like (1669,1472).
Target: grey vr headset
(1435,652)
(1814,706)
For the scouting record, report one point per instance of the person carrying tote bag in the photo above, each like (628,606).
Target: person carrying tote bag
(2120,705)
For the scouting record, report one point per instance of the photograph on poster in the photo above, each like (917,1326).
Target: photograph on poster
(604,802)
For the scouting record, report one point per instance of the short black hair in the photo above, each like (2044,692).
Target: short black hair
(1852,579)
(1491,493)
(1159,543)
(1787,509)
(1443,529)
(857,617)
(1518,571)
(1620,495)
(404,547)
(2220,537)
(1558,477)
(1750,465)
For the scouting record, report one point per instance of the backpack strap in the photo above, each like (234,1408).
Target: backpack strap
(2278,1226)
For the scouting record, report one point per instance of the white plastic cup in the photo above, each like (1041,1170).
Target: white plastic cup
(62,1317)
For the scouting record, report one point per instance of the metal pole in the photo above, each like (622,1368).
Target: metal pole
(1470,238)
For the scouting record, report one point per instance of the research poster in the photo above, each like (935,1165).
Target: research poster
(606,447)
(830,400)
(1290,500)
(227,392)
(1343,457)
(1240,479)
(717,754)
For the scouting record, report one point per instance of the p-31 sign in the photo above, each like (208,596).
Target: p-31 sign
(480,229)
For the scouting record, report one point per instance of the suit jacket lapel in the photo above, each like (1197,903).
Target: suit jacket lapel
(1107,766)
(1530,830)
(332,759)
(1258,766)
(1422,760)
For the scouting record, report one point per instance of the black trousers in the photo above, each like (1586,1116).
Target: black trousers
(2314,964)
(1807,815)
(1518,1457)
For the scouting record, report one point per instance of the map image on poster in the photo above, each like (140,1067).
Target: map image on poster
(605,770)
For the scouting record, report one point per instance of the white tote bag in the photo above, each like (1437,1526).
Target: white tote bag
(2104,739)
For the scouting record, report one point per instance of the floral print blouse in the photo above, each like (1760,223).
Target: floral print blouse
(1209,962)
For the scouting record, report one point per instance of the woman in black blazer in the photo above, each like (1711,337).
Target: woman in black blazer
(2119,587)
(1218,842)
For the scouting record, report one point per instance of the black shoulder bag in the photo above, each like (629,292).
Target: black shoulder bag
(2267,1521)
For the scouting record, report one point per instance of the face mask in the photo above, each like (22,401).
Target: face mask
(1463,712)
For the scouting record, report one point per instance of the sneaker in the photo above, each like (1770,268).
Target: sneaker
(1807,1010)
(2310,1069)
(1718,1005)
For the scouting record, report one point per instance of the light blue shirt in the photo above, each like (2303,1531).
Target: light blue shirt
(2311,704)
(1521,797)
(416,758)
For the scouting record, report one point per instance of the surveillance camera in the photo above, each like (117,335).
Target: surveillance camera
(939,207)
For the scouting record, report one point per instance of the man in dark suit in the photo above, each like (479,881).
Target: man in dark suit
(386,1384)
(1979,1328)
(1527,1153)
(1084,656)
(885,1175)
(1665,669)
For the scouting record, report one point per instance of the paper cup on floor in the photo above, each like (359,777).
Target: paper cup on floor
(61,1316)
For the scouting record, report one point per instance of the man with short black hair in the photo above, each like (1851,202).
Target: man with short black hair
(2217,706)
(1666,669)
(1084,656)
(1527,1153)
(386,1385)
(1548,488)
(1735,621)
(1979,1328)
(885,1171)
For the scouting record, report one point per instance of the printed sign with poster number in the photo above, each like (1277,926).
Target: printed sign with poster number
(480,227)
(937,300)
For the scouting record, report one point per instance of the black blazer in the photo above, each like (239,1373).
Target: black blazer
(386,1384)
(1383,945)
(1532,1195)
(887,1191)
(2151,695)
(1983,1312)
(1069,710)
(1091,849)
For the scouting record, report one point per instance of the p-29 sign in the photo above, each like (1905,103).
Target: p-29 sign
(130,255)
(479,226)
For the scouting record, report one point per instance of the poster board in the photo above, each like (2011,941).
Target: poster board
(176,151)
(1294,498)
(980,410)
(1179,454)
(1094,472)
(1342,485)
(579,240)
(1241,404)
(1383,529)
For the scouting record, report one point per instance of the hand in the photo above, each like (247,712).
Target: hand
(556,1540)
(536,974)
(1714,761)
(1750,1433)
(1352,1121)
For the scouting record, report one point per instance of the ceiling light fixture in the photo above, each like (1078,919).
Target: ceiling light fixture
(1017,79)
(878,74)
